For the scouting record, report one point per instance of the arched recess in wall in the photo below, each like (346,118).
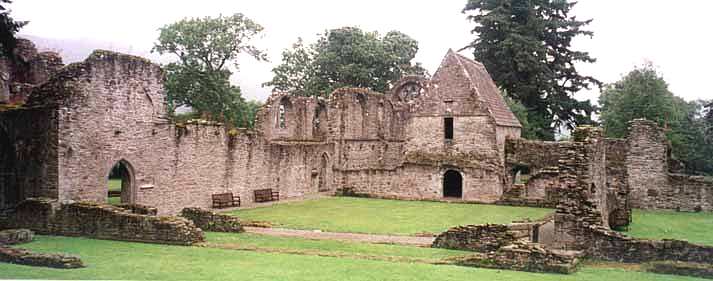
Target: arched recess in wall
(452,184)
(361,98)
(319,121)
(10,193)
(121,183)
(283,109)
(323,181)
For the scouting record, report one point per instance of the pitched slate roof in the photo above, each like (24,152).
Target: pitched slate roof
(486,90)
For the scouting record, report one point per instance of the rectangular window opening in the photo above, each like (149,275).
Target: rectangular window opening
(448,128)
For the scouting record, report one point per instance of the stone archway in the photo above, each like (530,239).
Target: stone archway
(452,184)
(323,183)
(122,172)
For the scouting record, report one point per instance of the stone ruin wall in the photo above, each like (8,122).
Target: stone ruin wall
(110,108)
(652,184)
(28,150)
(28,69)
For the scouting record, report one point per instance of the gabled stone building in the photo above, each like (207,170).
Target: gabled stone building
(427,139)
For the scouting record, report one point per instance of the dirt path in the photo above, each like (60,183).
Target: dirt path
(354,237)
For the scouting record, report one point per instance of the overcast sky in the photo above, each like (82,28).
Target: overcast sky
(674,35)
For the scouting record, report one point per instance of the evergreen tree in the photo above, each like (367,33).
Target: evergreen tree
(526,47)
(8,28)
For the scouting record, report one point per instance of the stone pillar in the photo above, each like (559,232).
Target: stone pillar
(646,162)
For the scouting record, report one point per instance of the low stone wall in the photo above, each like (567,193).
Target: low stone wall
(102,221)
(681,268)
(683,193)
(139,209)
(25,257)
(210,221)
(16,236)
(529,257)
(609,245)
(479,238)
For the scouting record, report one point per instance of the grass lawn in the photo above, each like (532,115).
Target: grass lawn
(361,215)
(327,247)
(114,185)
(659,224)
(138,261)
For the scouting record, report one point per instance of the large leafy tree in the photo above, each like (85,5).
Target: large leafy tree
(8,28)
(205,48)
(346,57)
(526,47)
(643,93)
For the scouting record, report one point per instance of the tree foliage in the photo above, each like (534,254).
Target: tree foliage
(200,78)
(8,28)
(526,47)
(346,57)
(643,93)
(521,113)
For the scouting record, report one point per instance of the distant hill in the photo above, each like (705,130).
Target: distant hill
(74,50)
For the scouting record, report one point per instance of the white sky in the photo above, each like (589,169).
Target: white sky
(674,35)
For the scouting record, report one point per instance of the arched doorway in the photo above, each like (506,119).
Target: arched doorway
(322,180)
(452,184)
(121,182)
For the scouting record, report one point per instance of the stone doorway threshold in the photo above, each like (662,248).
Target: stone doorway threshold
(342,236)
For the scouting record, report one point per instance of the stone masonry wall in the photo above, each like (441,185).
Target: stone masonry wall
(652,185)
(610,245)
(46,216)
(28,149)
(111,109)
(210,221)
(478,238)
(646,161)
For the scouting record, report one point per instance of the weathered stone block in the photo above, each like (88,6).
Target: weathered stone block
(25,257)
(210,221)
(16,236)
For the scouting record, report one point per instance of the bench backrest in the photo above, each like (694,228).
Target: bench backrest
(223,197)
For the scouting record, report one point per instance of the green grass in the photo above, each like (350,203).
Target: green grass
(115,184)
(137,261)
(327,247)
(360,215)
(659,224)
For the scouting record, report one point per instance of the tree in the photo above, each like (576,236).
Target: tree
(643,93)
(8,28)
(521,113)
(526,47)
(204,48)
(346,57)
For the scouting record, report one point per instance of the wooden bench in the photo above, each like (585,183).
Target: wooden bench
(266,195)
(224,200)
(114,193)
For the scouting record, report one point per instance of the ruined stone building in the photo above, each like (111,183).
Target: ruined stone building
(448,137)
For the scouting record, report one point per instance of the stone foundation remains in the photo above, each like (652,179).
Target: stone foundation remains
(210,221)
(47,216)
(523,257)
(16,236)
(25,257)
(681,268)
